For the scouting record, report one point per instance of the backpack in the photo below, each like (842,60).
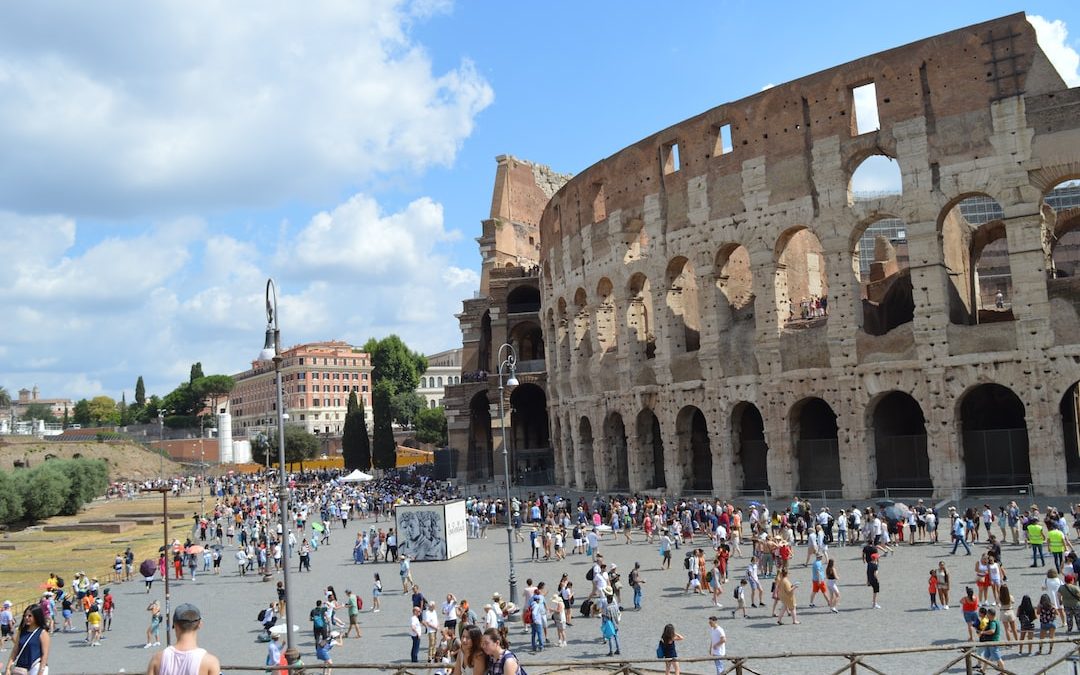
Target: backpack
(59,582)
(586,607)
(262,615)
(591,574)
(502,662)
(686,561)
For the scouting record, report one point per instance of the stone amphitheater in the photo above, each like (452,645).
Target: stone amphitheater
(722,311)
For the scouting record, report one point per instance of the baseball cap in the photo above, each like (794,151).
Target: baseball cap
(186,613)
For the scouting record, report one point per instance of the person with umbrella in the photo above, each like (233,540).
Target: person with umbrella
(147,569)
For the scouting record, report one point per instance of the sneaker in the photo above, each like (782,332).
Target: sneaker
(834,610)
(812,605)
(148,645)
(157,644)
(877,606)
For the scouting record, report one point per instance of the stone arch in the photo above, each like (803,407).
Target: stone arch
(582,326)
(586,466)
(898,433)
(616,462)
(607,324)
(801,281)
(879,260)
(483,360)
(478,460)
(651,448)
(1063,200)
(524,299)
(994,437)
(682,301)
(528,340)
(1070,430)
(695,453)
(876,175)
(750,447)
(976,254)
(814,435)
(532,459)
(641,338)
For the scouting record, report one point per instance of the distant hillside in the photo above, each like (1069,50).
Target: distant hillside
(127,461)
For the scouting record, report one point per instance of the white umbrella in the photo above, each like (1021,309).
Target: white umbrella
(279,629)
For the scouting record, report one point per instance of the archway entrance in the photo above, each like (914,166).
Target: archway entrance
(585,455)
(651,446)
(694,449)
(995,437)
(478,462)
(1070,427)
(531,456)
(616,459)
(748,438)
(900,443)
(814,431)
(528,340)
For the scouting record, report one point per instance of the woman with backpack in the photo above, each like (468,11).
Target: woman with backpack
(665,649)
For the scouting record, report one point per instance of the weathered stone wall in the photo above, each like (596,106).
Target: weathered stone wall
(974,111)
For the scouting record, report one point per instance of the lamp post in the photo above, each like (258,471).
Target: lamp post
(509,363)
(161,441)
(164,491)
(271,351)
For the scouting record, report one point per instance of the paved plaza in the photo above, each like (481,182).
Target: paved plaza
(230,604)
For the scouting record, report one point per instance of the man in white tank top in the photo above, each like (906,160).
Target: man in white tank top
(185,657)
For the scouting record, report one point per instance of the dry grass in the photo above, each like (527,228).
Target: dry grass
(127,461)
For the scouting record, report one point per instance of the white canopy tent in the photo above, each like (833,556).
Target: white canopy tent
(357,476)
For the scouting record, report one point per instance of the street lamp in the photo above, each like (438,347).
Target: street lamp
(271,351)
(161,442)
(509,363)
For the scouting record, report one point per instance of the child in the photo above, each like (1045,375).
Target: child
(933,590)
(740,599)
(107,607)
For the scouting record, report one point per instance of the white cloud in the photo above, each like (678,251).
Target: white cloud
(179,107)
(1053,37)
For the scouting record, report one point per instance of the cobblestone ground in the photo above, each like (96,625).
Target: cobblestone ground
(230,604)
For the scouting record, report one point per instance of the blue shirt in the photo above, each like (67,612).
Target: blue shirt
(817,570)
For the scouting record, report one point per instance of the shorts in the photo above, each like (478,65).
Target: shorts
(5,630)
(1047,625)
(817,587)
(832,585)
(755,585)
(992,654)
(874,584)
(971,618)
(353,620)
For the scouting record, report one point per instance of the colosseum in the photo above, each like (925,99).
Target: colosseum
(723,311)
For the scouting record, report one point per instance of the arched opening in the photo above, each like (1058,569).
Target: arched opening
(694,449)
(528,341)
(817,448)
(880,263)
(483,359)
(748,439)
(1064,200)
(615,437)
(582,332)
(523,300)
(1070,429)
(876,176)
(531,456)
(642,341)
(995,437)
(651,445)
(478,461)
(585,455)
(900,443)
(682,302)
(976,254)
(606,322)
(802,287)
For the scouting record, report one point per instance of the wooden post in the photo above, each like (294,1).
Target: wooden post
(968,667)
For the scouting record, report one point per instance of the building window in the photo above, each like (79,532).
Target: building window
(315,404)
(301,417)
(440,382)
(432,404)
(365,377)
(326,403)
(337,402)
(363,388)
(301,360)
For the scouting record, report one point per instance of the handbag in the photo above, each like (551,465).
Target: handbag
(35,668)
(659,650)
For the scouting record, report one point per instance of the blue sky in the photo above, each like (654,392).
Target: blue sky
(159,161)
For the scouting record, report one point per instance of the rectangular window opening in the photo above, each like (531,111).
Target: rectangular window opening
(599,205)
(669,157)
(723,140)
(864,109)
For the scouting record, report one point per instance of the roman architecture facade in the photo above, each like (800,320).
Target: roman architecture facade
(444,369)
(715,317)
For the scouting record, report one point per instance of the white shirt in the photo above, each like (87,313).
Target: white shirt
(415,628)
(717,641)
(430,620)
(491,619)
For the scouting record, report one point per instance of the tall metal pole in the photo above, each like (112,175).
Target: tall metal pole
(161,441)
(292,654)
(165,527)
(510,361)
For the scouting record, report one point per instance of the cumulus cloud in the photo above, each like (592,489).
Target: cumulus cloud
(1053,37)
(109,110)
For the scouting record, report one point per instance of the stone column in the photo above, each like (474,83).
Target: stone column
(783,476)
(766,313)
(857,466)
(723,459)
(1027,267)
(943,438)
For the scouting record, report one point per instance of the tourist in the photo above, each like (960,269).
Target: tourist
(353,604)
(958,534)
(376,591)
(933,590)
(666,650)
(1026,614)
(1007,613)
(1051,584)
(943,585)
(558,617)
(969,605)
(817,580)
(450,613)
(740,598)
(275,653)
(609,627)
(405,572)
(471,659)
(416,629)
(153,637)
(1069,601)
(322,652)
(785,591)
(995,574)
(319,621)
(32,641)
(429,618)
(872,579)
(991,634)
(982,577)
(502,660)
(7,625)
(832,586)
(1047,622)
(717,644)
(635,583)
(756,592)
(185,657)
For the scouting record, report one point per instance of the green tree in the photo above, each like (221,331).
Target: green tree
(124,410)
(196,372)
(384,448)
(88,477)
(392,361)
(214,387)
(140,392)
(11,504)
(81,414)
(44,490)
(67,417)
(39,411)
(299,446)
(5,397)
(405,406)
(355,444)
(103,411)
(431,426)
